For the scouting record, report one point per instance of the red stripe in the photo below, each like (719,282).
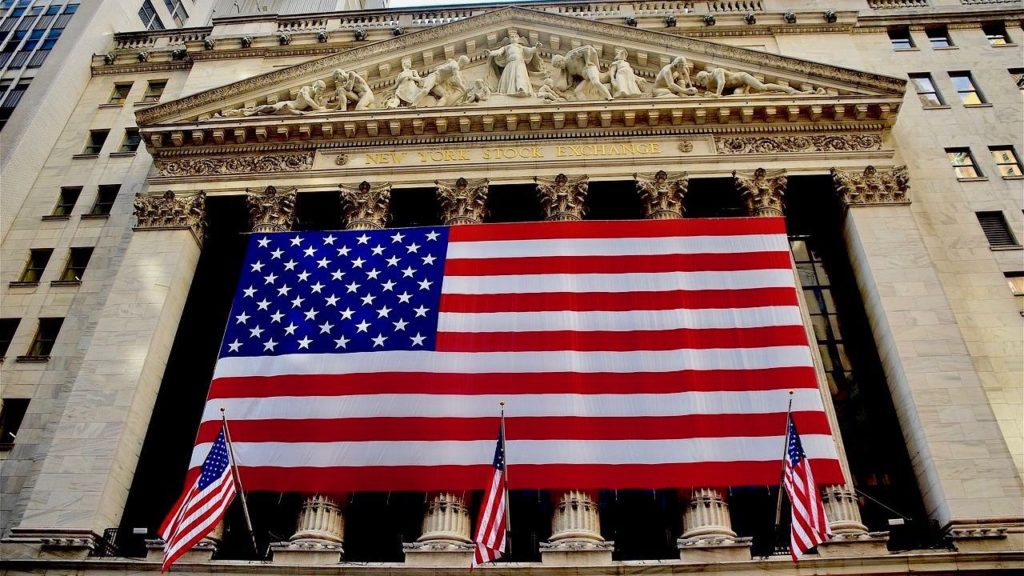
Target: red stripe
(618,229)
(523,476)
(617,264)
(619,301)
(539,383)
(529,428)
(621,341)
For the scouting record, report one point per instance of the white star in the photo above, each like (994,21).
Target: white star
(404,297)
(303,276)
(304,343)
(408,272)
(400,325)
(257,266)
(432,236)
(425,284)
(276,317)
(297,240)
(255,332)
(393,261)
(289,330)
(340,342)
(330,239)
(323,262)
(363,239)
(249,292)
(268,346)
(325,328)
(383,312)
(421,311)
(362,326)
(269,279)
(263,304)
(368,299)
(358,263)
(428,260)
(417,340)
(332,300)
(379,340)
(347,313)
(316,288)
(344,250)
(283,290)
(377,250)
(242,318)
(388,286)
(297,302)
(352,287)
(311,313)
(309,251)
(337,274)
(234,346)
(414,247)
(276,254)
(372,274)
(290,265)
(264,242)
(398,237)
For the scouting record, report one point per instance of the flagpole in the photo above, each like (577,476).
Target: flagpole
(238,480)
(782,471)
(508,512)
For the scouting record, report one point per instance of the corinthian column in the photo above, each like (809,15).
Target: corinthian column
(563,199)
(271,210)
(366,207)
(762,191)
(663,194)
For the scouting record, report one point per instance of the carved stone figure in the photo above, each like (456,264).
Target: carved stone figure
(366,207)
(562,199)
(763,192)
(625,83)
(349,86)
(722,82)
(663,195)
(445,83)
(270,210)
(462,202)
(548,93)
(309,99)
(407,84)
(511,65)
(478,92)
(674,80)
(583,73)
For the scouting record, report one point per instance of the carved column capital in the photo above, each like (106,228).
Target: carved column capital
(873,186)
(663,194)
(271,210)
(562,198)
(172,212)
(366,206)
(763,191)
(462,201)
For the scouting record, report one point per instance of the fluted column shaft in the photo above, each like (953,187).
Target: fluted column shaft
(321,520)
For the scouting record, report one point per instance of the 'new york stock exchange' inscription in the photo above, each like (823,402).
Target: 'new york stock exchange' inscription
(524,152)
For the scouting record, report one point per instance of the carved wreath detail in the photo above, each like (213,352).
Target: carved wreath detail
(814,143)
(235,165)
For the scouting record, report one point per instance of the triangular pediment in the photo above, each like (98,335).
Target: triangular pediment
(556,36)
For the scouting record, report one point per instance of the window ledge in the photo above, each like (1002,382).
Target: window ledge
(1005,248)
(1010,45)
(49,217)
(122,154)
(6,446)
(1013,177)
(66,283)
(975,179)
(982,105)
(95,216)
(20,284)
(84,156)
(28,359)
(145,102)
(946,48)
(915,49)
(111,105)
(943,107)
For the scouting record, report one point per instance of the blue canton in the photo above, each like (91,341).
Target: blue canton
(338,292)
(216,462)
(794,449)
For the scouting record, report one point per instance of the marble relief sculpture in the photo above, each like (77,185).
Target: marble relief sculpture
(625,83)
(349,86)
(308,99)
(547,91)
(583,73)
(511,65)
(408,85)
(674,80)
(722,82)
(479,91)
(445,83)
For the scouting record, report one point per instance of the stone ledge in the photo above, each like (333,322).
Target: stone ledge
(855,545)
(440,553)
(306,553)
(702,550)
(570,552)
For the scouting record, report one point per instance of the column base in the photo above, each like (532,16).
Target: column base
(573,552)
(203,551)
(50,544)
(307,552)
(995,537)
(711,549)
(854,544)
(444,553)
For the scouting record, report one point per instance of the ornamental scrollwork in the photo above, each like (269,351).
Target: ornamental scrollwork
(663,194)
(872,186)
(248,164)
(462,201)
(271,210)
(561,198)
(729,145)
(366,206)
(762,191)
(172,212)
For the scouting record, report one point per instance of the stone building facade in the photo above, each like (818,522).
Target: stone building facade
(903,200)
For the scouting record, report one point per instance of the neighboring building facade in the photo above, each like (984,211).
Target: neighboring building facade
(903,200)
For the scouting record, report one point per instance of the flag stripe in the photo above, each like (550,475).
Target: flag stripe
(624,321)
(629,286)
(585,301)
(620,229)
(630,263)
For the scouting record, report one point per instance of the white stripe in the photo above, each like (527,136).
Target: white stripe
(499,519)
(189,527)
(518,405)
(618,246)
(620,321)
(639,283)
(445,453)
(428,362)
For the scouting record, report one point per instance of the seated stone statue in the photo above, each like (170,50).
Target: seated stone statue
(674,80)
(722,82)
(407,85)
(625,83)
(583,72)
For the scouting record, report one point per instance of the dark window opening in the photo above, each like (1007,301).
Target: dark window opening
(95,141)
(154,90)
(414,207)
(513,203)
(46,336)
(105,198)
(8,326)
(74,269)
(996,33)
(120,94)
(131,140)
(617,200)
(938,37)
(12,413)
(66,200)
(899,37)
(37,260)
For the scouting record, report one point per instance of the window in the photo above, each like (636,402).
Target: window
(1006,160)
(131,140)
(1016,282)
(37,259)
(45,337)
(963,162)
(8,326)
(177,11)
(926,90)
(12,412)
(120,93)
(95,142)
(966,88)
(105,199)
(150,21)
(938,37)
(996,33)
(78,259)
(994,225)
(1018,76)
(66,200)
(899,37)
(154,90)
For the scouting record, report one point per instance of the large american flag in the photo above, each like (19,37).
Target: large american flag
(630,354)
(809,525)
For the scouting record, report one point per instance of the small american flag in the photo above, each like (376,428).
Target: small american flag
(490,530)
(809,524)
(201,506)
